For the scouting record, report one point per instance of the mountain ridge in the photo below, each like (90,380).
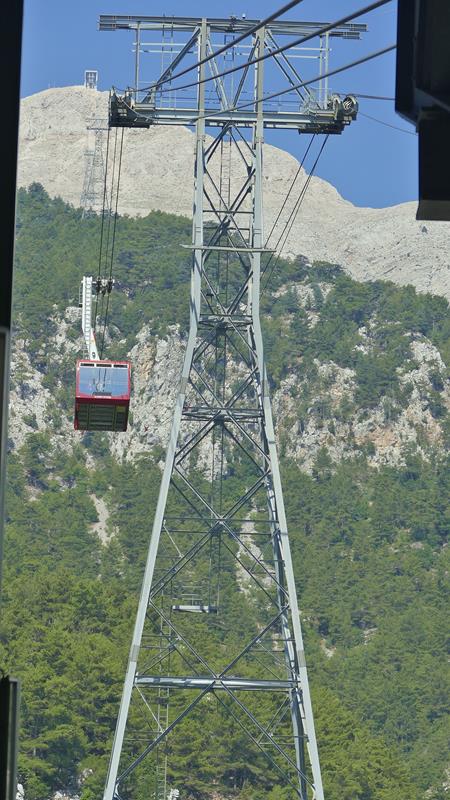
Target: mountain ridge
(157,171)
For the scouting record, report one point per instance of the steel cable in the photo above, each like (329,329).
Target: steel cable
(296,42)
(290,222)
(291,219)
(110,200)
(290,189)
(113,238)
(389,125)
(233,43)
(282,92)
(103,222)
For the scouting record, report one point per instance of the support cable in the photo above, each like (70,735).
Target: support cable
(113,239)
(117,201)
(290,190)
(282,92)
(293,216)
(103,222)
(261,23)
(328,74)
(296,42)
(371,96)
(108,231)
(389,125)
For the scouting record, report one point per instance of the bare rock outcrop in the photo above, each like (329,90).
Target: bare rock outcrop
(386,433)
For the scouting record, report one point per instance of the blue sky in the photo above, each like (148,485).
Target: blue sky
(370,164)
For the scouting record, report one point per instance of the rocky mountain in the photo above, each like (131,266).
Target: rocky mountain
(368,243)
(383,389)
(359,380)
(386,431)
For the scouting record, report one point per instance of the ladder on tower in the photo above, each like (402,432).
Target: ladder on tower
(162,703)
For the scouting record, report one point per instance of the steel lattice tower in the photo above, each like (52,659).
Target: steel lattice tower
(92,194)
(220,510)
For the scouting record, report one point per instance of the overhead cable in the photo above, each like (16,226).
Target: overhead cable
(111,260)
(296,42)
(371,96)
(293,88)
(389,125)
(292,217)
(288,194)
(228,45)
(110,204)
(103,222)
(117,202)
(301,85)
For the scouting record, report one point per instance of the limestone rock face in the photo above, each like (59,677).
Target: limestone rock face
(156,374)
(157,173)
(389,436)
(383,432)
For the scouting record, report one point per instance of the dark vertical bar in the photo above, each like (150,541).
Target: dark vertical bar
(9,724)
(434,168)
(10,59)
(404,91)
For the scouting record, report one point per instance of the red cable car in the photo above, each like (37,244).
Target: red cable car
(102,395)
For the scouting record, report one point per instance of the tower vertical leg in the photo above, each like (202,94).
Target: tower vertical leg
(301,710)
(196,275)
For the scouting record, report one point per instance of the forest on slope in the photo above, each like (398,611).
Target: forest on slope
(369,542)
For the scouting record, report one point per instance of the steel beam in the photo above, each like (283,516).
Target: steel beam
(129,114)
(214,684)
(114,22)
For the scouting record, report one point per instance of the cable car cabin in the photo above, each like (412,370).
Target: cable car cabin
(102,395)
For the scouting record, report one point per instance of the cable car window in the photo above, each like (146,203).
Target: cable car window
(103,380)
